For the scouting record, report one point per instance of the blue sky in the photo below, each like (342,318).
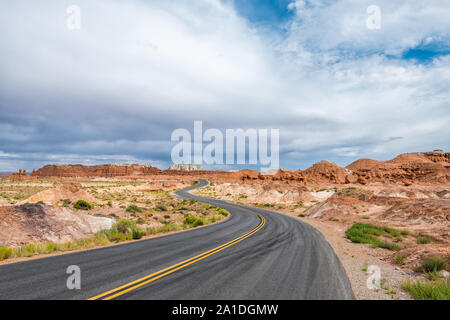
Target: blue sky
(270,13)
(114,90)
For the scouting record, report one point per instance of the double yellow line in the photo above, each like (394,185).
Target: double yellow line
(114,293)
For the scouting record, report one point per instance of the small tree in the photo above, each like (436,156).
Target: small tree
(82,205)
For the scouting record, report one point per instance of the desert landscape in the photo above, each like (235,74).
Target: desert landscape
(391,214)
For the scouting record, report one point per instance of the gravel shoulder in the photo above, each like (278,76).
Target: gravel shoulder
(356,257)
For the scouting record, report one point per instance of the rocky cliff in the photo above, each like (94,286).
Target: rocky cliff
(105,170)
(406,169)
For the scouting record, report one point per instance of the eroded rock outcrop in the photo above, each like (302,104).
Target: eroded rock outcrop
(38,223)
(406,169)
(105,171)
(21,175)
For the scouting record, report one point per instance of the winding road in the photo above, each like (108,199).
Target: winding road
(255,254)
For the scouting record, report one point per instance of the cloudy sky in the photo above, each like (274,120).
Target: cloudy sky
(114,90)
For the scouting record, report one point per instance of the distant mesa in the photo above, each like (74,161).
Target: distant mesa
(408,168)
(186,167)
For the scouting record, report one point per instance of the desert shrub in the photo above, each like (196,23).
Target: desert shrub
(367,233)
(66,202)
(386,245)
(112,235)
(125,226)
(51,247)
(193,221)
(400,258)
(428,290)
(391,231)
(424,240)
(434,264)
(213,219)
(223,212)
(189,219)
(5,253)
(268,205)
(163,229)
(161,208)
(28,250)
(123,229)
(140,221)
(67,246)
(133,208)
(99,239)
(137,233)
(83,205)
(353,192)
(198,222)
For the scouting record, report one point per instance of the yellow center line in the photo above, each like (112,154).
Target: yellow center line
(166,271)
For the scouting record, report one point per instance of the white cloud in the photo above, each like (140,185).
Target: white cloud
(341,25)
(137,70)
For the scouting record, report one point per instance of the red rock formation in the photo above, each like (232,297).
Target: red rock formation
(404,169)
(363,164)
(105,170)
(21,175)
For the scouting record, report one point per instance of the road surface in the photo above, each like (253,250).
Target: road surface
(255,254)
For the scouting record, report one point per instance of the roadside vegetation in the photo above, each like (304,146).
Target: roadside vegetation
(137,214)
(436,287)
(371,234)
(83,205)
(428,290)
(122,230)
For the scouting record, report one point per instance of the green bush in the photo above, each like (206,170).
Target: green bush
(51,247)
(123,229)
(5,253)
(133,208)
(137,233)
(66,202)
(223,212)
(386,245)
(164,229)
(28,250)
(193,221)
(424,240)
(428,290)
(434,264)
(82,205)
(400,258)
(198,222)
(189,219)
(99,239)
(125,226)
(367,233)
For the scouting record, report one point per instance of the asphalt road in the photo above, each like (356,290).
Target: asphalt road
(255,254)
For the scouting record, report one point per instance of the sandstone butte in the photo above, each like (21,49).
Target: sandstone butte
(406,169)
